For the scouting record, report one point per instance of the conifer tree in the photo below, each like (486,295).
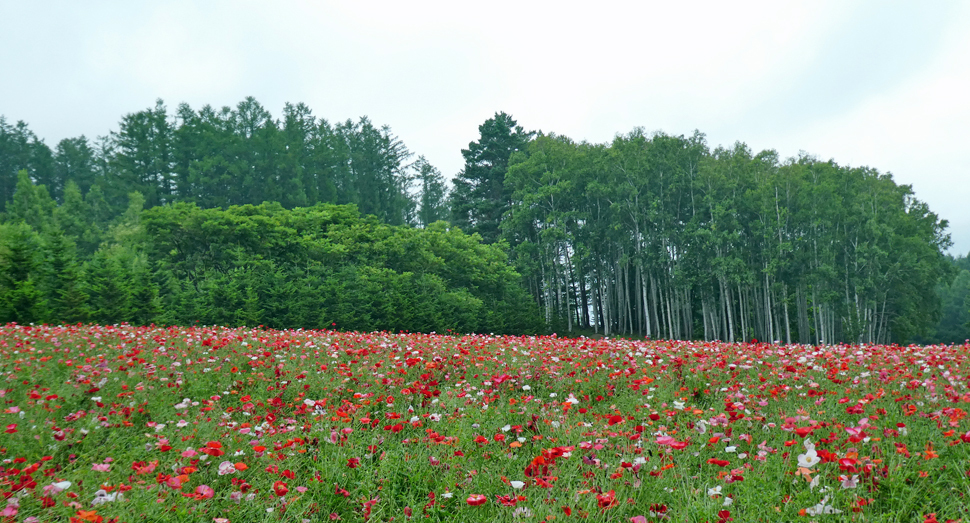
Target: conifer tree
(21,299)
(480,197)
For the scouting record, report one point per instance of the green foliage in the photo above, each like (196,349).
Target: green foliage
(21,150)
(658,236)
(66,300)
(480,198)
(327,266)
(21,298)
(120,286)
(954,297)
(74,162)
(653,235)
(432,204)
(31,204)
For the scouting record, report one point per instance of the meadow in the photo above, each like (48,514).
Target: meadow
(123,424)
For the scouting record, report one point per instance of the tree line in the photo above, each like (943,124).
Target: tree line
(664,237)
(231,216)
(231,156)
(325,266)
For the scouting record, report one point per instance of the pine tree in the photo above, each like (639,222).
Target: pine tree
(32,205)
(106,282)
(431,199)
(66,301)
(480,197)
(21,300)
(73,162)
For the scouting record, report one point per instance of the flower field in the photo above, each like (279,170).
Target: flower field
(119,423)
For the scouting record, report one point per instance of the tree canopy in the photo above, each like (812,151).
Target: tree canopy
(233,216)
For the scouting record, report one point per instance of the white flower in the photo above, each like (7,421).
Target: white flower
(814,483)
(522,511)
(102,496)
(822,508)
(517,484)
(716,491)
(701,426)
(810,458)
(728,501)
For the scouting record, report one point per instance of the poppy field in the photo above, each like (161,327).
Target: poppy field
(122,423)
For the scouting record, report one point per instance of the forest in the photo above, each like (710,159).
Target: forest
(233,217)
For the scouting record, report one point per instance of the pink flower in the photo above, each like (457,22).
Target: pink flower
(226,467)
(101,467)
(204,492)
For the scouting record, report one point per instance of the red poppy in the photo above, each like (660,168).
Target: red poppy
(280,488)
(476,499)
(607,500)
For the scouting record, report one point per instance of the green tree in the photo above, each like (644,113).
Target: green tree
(73,162)
(432,205)
(480,197)
(32,205)
(20,150)
(376,181)
(143,157)
(75,218)
(21,299)
(67,303)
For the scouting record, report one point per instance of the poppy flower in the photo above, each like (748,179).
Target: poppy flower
(204,492)
(280,488)
(606,500)
(476,499)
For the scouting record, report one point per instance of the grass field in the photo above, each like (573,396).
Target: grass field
(119,423)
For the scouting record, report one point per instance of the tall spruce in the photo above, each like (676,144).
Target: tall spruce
(432,204)
(480,197)
(21,297)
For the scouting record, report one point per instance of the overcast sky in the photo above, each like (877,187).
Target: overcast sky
(878,83)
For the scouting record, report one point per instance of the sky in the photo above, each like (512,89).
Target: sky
(883,83)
